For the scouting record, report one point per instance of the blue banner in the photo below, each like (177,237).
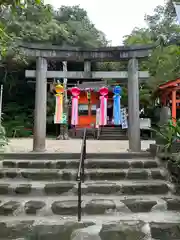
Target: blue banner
(117,110)
(117,105)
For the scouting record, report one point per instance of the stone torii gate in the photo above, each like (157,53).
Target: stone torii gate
(42,53)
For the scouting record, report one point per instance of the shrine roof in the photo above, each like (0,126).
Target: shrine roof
(97,84)
(94,86)
(170,84)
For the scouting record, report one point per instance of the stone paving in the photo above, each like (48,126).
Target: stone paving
(73,145)
(124,197)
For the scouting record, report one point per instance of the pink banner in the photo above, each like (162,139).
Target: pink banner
(74,113)
(103,106)
(103,110)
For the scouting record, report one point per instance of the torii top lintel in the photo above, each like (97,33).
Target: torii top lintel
(66,53)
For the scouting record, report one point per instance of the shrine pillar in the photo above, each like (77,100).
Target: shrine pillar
(174,106)
(39,137)
(133,106)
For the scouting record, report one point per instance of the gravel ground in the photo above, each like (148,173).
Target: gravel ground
(72,145)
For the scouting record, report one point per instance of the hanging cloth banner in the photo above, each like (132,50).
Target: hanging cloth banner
(124,118)
(58,117)
(103,106)
(74,113)
(177,8)
(117,105)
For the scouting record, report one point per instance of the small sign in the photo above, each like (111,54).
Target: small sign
(124,118)
(124,55)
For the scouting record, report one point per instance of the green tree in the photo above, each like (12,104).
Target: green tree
(15,7)
(163,63)
(39,23)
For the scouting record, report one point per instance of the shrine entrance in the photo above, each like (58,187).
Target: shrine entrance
(170,96)
(110,112)
(43,53)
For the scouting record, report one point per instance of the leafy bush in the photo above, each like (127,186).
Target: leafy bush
(18,126)
(173,166)
(3,138)
(168,134)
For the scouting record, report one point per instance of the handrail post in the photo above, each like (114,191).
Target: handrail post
(84,157)
(79,200)
(81,175)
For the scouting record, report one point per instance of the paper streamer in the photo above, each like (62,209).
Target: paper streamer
(103,106)
(58,116)
(74,114)
(59,109)
(117,105)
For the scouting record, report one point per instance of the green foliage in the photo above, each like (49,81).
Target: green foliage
(17,128)
(169,133)
(14,7)
(35,21)
(163,63)
(39,23)
(3,138)
(67,26)
(173,165)
(18,120)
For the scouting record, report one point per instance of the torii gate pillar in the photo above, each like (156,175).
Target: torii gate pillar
(133,106)
(39,139)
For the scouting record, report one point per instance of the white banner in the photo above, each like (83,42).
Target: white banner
(97,117)
(177,8)
(124,119)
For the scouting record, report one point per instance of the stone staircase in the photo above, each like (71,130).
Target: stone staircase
(125,197)
(113,133)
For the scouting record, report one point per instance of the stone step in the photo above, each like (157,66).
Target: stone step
(89,163)
(152,226)
(112,137)
(69,188)
(90,174)
(75,155)
(108,129)
(18,206)
(114,133)
(113,130)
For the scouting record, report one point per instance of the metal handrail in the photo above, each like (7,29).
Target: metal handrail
(80,174)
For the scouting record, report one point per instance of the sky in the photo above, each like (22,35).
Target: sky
(116,18)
